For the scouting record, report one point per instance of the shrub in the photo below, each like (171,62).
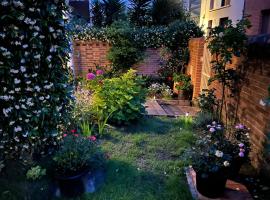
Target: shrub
(207,101)
(160,91)
(120,99)
(202,119)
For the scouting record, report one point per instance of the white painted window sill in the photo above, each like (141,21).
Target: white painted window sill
(215,9)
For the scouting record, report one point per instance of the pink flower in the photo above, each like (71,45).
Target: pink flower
(241,145)
(65,135)
(73,131)
(242,150)
(212,130)
(99,72)
(241,154)
(90,76)
(76,135)
(93,138)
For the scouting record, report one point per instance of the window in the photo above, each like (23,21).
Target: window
(265,23)
(210,22)
(212,4)
(225,2)
(222,21)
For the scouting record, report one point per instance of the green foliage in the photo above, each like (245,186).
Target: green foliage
(97,13)
(113,11)
(207,101)
(35,173)
(160,91)
(202,119)
(35,93)
(124,53)
(183,81)
(166,11)
(139,12)
(120,99)
(86,128)
(75,155)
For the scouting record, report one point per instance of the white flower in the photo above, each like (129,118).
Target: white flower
(25,46)
(41,98)
(17,107)
(17,43)
(17,81)
(226,163)
(14,71)
(4,3)
(11,123)
(41,36)
(37,56)
(28,82)
(29,89)
(35,34)
(21,17)
(17,129)
(48,96)
(26,120)
(37,88)
(18,4)
(31,9)
(51,29)
(36,28)
(5,97)
(23,106)
(22,60)
(17,89)
(34,75)
(219,153)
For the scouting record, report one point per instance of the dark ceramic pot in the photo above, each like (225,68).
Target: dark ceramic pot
(72,186)
(211,186)
(235,167)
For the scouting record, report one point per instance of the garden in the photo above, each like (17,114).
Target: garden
(89,137)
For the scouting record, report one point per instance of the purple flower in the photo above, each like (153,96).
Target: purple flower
(212,130)
(214,123)
(91,76)
(208,126)
(241,154)
(242,150)
(241,145)
(241,126)
(99,72)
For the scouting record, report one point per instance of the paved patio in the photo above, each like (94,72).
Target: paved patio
(170,108)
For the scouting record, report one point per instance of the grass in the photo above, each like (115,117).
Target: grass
(145,161)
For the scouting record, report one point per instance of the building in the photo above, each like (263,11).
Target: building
(216,12)
(258,12)
(193,7)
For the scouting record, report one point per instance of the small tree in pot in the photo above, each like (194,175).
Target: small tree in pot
(183,86)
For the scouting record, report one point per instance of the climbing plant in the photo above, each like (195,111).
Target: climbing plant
(224,43)
(35,92)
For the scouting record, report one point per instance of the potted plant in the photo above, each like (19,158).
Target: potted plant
(72,162)
(182,86)
(211,165)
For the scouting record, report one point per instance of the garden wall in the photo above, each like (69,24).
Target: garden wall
(249,110)
(89,54)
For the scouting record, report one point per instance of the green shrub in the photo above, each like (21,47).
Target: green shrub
(120,99)
(202,119)
(207,101)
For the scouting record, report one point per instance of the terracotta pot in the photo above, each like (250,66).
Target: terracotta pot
(211,185)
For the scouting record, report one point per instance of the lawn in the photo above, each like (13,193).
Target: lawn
(145,161)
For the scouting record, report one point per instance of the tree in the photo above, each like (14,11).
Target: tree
(113,10)
(166,11)
(97,13)
(139,12)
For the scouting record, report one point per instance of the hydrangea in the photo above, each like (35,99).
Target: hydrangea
(219,153)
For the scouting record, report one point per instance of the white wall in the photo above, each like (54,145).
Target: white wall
(234,12)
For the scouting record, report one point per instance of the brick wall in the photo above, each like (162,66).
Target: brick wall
(253,9)
(194,68)
(88,54)
(246,107)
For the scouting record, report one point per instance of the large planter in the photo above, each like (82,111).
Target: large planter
(212,185)
(235,167)
(73,185)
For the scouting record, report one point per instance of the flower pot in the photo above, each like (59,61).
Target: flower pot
(211,185)
(235,167)
(71,186)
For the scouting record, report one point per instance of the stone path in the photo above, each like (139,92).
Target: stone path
(168,108)
(233,191)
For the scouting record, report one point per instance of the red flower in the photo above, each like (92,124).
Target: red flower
(93,138)
(73,131)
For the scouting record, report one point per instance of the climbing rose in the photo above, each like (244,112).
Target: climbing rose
(91,76)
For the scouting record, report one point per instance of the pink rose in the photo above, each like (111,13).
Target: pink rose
(93,138)
(99,72)
(90,76)
(65,135)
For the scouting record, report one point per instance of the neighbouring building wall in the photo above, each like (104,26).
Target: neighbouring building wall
(89,54)
(258,12)
(212,12)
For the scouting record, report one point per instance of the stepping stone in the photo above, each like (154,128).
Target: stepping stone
(233,191)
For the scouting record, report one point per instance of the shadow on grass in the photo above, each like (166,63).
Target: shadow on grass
(127,182)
